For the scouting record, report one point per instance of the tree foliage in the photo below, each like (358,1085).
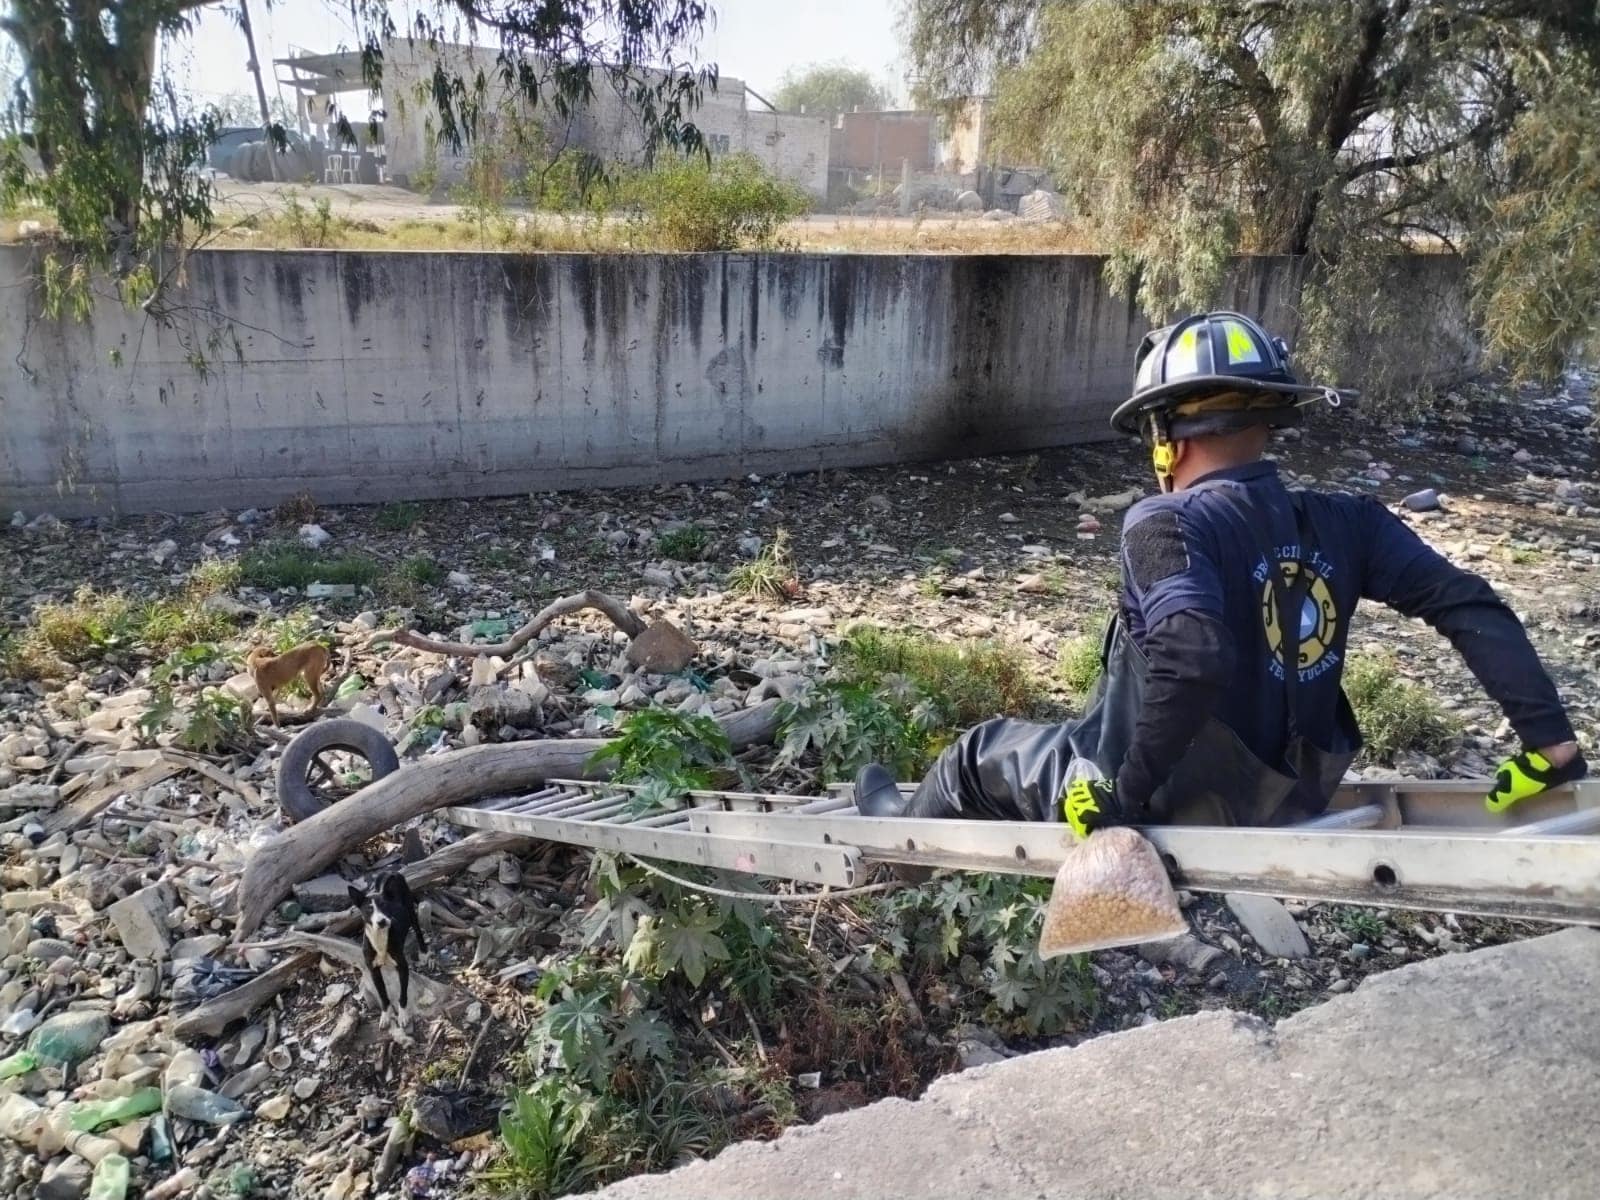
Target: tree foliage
(1345,132)
(94,135)
(826,89)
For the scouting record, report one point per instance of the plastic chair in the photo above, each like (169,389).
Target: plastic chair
(351,162)
(332,168)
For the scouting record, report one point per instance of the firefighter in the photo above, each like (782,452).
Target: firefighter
(1220,700)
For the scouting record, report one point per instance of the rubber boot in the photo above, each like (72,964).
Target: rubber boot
(878,792)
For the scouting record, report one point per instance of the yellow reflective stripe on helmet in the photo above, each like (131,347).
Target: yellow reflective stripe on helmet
(1183,355)
(1241,346)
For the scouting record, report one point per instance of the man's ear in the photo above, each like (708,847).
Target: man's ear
(358,896)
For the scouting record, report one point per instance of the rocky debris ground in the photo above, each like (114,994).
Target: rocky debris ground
(122,849)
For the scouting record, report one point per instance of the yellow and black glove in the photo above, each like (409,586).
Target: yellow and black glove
(1528,774)
(1091,804)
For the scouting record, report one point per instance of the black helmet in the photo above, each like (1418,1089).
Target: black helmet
(1212,372)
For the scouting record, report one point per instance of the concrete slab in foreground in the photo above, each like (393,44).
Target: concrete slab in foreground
(1474,1075)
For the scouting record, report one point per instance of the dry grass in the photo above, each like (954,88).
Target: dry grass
(285,224)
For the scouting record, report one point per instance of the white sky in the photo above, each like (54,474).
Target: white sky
(753,40)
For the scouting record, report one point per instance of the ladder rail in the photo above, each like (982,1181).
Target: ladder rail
(1424,844)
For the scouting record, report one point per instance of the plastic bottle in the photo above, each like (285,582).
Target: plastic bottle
(19,1063)
(110,1180)
(95,1114)
(196,1104)
(71,1037)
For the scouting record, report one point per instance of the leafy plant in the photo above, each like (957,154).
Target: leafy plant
(1359,924)
(682,939)
(1393,713)
(686,543)
(848,725)
(543,1137)
(292,629)
(993,920)
(731,203)
(768,576)
(215,719)
(187,662)
(662,744)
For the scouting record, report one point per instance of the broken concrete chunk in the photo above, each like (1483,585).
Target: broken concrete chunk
(67,1179)
(141,921)
(1269,922)
(497,704)
(662,649)
(325,893)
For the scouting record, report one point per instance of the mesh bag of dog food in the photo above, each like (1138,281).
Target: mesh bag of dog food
(1111,891)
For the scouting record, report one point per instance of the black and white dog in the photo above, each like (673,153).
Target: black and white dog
(388,914)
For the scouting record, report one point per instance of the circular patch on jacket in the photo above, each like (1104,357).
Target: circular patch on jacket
(1319,616)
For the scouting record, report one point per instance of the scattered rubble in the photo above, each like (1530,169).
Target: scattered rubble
(128,859)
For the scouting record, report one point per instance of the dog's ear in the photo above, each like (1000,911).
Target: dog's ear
(358,896)
(394,887)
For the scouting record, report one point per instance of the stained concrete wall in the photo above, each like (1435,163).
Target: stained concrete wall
(376,376)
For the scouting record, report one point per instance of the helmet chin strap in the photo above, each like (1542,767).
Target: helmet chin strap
(1163,453)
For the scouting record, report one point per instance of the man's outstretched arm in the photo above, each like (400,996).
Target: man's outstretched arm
(1409,576)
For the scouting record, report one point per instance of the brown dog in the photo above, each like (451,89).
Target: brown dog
(272,673)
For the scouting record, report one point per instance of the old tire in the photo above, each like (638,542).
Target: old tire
(296,796)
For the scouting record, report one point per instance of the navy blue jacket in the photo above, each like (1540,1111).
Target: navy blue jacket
(1197,599)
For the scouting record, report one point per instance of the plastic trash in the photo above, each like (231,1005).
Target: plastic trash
(1111,891)
(70,1037)
(19,1063)
(160,1142)
(96,1114)
(241,1180)
(209,1108)
(110,1180)
(491,627)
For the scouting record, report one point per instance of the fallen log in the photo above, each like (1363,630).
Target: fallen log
(619,613)
(312,846)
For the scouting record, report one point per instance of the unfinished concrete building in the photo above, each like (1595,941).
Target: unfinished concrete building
(792,145)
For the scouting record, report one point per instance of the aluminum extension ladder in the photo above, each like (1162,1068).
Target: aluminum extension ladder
(1425,844)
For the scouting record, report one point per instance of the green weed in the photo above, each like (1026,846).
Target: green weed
(423,569)
(294,628)
(770,575)
(673,750)
(1393,713)
(398,517)
(1359,924)
(966,682)
(89,624)
(847,725)
(686,543)
(543,1138)
(291,565)
(1078,665)
(994,921)
(730,203)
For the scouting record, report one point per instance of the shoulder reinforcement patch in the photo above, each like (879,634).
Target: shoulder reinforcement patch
(1155,550)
